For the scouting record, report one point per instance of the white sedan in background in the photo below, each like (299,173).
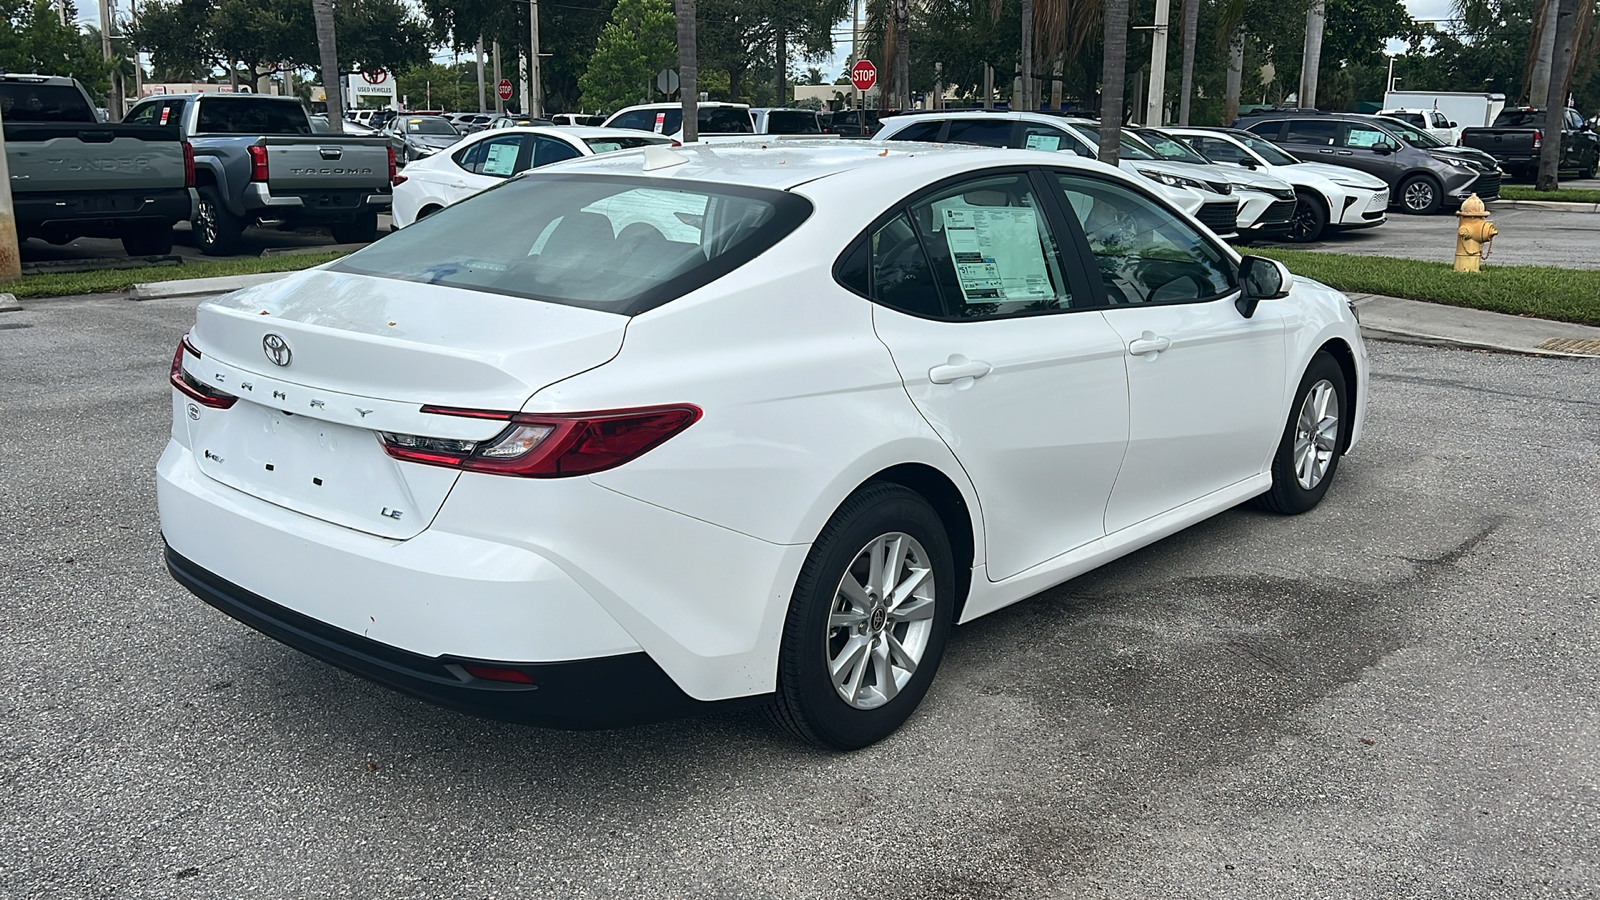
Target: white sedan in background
(1327,196)
(682,428)
(486,158)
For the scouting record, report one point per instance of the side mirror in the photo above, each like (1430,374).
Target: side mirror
(1261,279)
(1450,125)
(1245,163)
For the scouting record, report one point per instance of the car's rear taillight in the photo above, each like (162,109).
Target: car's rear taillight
(535,445)
(258,163)
(394,172)
(188,164)
(203,394)
(1538,139)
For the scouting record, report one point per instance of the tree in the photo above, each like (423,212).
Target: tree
(1561,64)
(637,43)
(1191,23)
(1113,72)
(34,40)
(688,57)
(328,50)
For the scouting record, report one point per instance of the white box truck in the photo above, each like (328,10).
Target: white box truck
(1466,110)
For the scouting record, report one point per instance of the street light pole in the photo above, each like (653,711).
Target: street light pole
(535,101)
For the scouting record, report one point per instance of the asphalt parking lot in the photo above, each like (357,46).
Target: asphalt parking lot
(1392,696)
(1528,237)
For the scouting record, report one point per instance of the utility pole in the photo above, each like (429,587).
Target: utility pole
(138,67)
(1155,107)
(61,8)
(499,105)
(10,256)
(535,102)
(483,99)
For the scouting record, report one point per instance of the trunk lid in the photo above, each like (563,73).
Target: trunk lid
(326,162)
(362,355)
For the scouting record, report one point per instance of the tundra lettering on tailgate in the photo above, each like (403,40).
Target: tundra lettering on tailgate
(124,164)
(296,171)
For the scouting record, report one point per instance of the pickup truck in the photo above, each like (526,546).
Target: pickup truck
(1517,135)
(73,177)
(258,161)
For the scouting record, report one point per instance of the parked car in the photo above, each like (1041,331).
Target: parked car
(667,118)
(1518,134)
(577,119)
(778,120)
(1211,203)
(1421,180)
(468,123)
(257,160)
(518,121)
(1431,121)
(719,425)
(419,137)
(854,122)
(1326,196)
(488,158)
(1266,203)
(73,176)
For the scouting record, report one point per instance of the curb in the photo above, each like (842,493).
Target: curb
(195,287)
(1557,205)
(1432,340)
(272,252)
(8,303)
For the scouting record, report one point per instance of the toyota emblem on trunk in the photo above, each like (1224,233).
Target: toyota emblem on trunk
(277,349)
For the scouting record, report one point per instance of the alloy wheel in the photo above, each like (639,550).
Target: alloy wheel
(1316,433)
(206,218)
(1419,195)
(881,620)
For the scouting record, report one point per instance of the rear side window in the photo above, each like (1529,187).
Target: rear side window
(611,243)
(1272,131)
(789,121)
(250,116)
(722,120)
(983,132)
(639,119)
(918,131)
(24,102)
(1318,133)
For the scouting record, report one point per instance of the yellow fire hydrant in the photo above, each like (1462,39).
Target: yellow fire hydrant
(1473,234)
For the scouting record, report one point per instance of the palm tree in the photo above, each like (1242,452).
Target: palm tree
(902,53)
(1561,65)
(1113,72)
(1191,21)
(1059,27)
(688,72)
(327,48)
(1026,101)
(1311,62)
(1231,33)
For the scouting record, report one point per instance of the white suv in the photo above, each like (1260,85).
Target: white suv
(667,118)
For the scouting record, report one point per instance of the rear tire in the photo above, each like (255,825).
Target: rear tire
(364,230)
(1421,195)
(1308,453)
(154,241)
(216,231)
(881,626)
(1310,219)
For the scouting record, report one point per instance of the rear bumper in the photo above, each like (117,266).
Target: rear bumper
(313,206)
(101,213)
(604,692)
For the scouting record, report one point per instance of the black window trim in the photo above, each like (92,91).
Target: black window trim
(1071,247)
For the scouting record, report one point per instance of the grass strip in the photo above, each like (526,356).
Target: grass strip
(1545,292)
(1564,195)
(62,284)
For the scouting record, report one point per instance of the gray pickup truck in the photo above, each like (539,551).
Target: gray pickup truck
(258,161)
(1517,137)
(73,177)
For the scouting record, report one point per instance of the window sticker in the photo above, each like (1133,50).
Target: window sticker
(501,159)
(996,252)
(1044,142)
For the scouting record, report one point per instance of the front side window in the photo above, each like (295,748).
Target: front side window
(638,119)
(1218,150)
(1144,253)
(1043,137)
(719,120)
(918,131)
(611,243)
(1364,137)
(792,121)
(983,132)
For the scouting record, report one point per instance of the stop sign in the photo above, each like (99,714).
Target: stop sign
(504,89)
(864,75)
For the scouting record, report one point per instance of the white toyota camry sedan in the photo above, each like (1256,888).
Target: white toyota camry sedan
(736,424)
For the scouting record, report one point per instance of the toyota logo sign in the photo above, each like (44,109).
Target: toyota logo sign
(277,349)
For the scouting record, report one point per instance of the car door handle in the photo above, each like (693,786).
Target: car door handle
(458,184)
(1148,343)
(1347,153)
(1325,151)
(957,368)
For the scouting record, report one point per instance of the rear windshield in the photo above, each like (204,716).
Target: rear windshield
(713,120)
(612,243)
(242,116)
(23,102)
(1519,118)
(608,144)
(792,121)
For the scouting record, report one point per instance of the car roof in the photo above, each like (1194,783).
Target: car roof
(679,106)
(25,78)
(783,165)
(568,131)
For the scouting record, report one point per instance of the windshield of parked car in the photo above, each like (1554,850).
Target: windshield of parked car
(608,144)
(26,102)
(1414,136)
(1169,149)
(1265,149)
(612,243)
(429,126)
(1131,149)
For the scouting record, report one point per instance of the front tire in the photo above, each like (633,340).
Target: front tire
(1310,219)
(868,621)
(1308,453)
(1421,195)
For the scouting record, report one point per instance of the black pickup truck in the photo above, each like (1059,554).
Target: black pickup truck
(72,176)
(1518,135)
